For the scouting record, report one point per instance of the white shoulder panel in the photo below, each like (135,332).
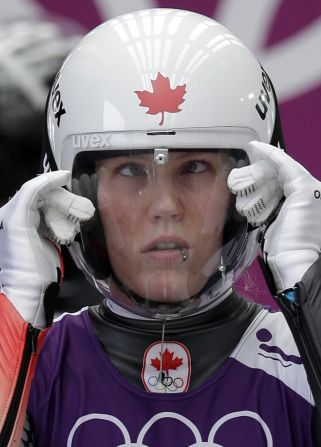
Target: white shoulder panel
(268,345)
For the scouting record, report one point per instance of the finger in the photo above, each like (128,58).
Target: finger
(59,229)
(36,188)
(72,206)
(244,181)
(47,181)
(56,178)
(63,211)
(25,203)
(288,170)
(259,206)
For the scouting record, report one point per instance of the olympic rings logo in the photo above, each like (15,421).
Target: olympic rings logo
(163,382)
(198,438)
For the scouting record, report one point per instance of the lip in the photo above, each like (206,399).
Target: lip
(166,239)
(168,258)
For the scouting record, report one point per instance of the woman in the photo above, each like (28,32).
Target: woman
(184,193)
(154,221)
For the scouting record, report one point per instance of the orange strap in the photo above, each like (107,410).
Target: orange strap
(13,335)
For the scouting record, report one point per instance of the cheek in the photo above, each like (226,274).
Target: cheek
(213,206)
(121,221)
(111,218)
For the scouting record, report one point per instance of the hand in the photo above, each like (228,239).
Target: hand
(41,212)
(292,241)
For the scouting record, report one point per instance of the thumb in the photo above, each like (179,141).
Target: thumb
(287,169)
(36,188)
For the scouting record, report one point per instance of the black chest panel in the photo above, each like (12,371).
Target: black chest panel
(210,337)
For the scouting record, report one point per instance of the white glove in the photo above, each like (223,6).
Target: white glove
(29,262)
(292,242)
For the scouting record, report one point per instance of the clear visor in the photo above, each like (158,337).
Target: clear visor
(166,239)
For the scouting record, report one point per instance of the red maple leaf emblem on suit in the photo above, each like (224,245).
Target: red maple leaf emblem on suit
(168,361)
(163,98)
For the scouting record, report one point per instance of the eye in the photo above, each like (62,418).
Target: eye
(194,167)
(132,169)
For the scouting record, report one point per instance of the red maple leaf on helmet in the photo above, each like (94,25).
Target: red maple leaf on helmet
(163,98)
(168,362)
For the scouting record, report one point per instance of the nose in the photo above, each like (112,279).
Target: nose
(165,201)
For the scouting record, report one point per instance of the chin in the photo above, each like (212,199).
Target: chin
(168,299)
(162,290)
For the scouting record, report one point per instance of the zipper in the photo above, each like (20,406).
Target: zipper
(29,349)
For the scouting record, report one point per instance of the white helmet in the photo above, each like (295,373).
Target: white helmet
(157,81)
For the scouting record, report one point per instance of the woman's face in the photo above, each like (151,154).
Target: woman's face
(153,216)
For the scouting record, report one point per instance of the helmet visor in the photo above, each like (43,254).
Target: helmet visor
(166,237)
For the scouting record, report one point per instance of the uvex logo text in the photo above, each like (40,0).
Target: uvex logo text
(90,140)
(57,104)
(262,105)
